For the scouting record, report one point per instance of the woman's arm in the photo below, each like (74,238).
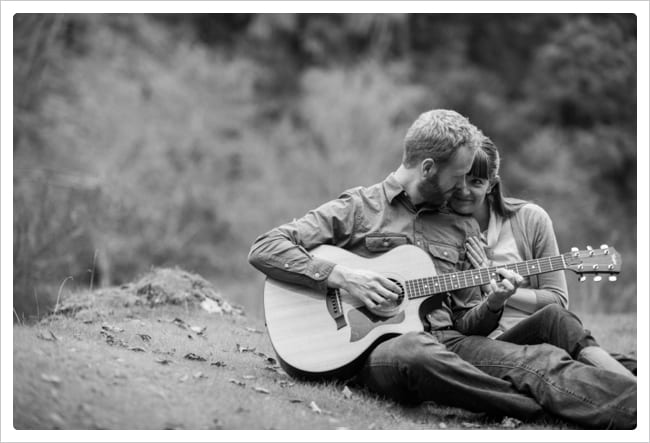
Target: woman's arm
(546,288)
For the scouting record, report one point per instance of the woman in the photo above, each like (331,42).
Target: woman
(515,231)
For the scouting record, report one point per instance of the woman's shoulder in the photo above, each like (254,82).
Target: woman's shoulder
(528,212)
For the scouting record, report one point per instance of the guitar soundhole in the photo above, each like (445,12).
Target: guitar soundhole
(390,307)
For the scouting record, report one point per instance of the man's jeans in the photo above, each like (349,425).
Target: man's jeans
(498,377)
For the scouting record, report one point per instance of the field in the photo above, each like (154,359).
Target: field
(133,358)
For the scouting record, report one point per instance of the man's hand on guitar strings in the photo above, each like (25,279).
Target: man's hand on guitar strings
(501,291)
(371,288)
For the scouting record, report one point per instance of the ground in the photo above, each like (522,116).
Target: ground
(169,352)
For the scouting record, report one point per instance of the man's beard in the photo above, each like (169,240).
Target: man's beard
(432,193)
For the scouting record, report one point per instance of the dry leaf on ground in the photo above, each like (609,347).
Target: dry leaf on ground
(51,378)
(47,336)
(314,407)
(111,328)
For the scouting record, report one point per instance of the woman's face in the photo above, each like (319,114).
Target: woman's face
(468,199)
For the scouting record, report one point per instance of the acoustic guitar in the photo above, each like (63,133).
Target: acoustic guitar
(323,336)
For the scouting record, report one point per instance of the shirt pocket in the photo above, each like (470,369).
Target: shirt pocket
(384,242)
(445,257)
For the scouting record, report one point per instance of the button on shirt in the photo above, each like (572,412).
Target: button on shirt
(368,222)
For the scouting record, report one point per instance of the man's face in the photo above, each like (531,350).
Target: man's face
(439,188)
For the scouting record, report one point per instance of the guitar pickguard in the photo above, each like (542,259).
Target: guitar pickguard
(362,321)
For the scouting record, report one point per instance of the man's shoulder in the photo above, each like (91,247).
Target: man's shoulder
(363,191)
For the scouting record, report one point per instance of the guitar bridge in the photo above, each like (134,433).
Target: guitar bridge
(333,301)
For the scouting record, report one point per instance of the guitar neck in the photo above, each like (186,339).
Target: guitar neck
(425,287)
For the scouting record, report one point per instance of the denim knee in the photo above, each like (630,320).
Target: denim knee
(554,311)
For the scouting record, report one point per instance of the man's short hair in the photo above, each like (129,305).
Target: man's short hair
(438,134)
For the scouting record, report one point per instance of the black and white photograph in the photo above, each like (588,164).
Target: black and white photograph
(351,221)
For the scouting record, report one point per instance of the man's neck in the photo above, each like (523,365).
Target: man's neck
(408,178)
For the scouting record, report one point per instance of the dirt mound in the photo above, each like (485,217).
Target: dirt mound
(175,286)
(159,286)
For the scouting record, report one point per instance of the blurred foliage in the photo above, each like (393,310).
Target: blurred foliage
(176,139)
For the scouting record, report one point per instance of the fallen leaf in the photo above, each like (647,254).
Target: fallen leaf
(254,331)
(137,349)
(241,348)
(180,323)
(51,378)
(314,407)
(47,336)
(145,337)
(211,306)
(199,375)
(110,328)
(285,383)
(199,329)
(261,390)
(295,400)
(347,393)
(163,361)
(511,423)
(193,356)
(237,382)
(218,364)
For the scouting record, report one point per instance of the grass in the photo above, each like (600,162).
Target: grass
(110,360)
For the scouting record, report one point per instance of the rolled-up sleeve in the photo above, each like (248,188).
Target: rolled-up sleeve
(283,252)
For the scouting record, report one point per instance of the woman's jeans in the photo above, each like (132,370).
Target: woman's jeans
(499,377)
(557,326)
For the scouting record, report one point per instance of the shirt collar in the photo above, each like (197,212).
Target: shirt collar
(392,188)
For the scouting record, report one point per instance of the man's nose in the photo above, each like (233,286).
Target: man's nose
(461,185)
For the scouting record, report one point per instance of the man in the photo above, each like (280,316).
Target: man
(440,364)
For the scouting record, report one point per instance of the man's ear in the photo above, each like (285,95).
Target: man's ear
(428,168)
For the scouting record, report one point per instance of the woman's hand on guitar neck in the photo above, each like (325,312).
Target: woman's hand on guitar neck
(501,291)
(371,288)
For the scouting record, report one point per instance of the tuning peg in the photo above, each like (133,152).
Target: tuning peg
(582,278)
(604,246)
(591,250)
(575,251)
(597,277)
(612,277)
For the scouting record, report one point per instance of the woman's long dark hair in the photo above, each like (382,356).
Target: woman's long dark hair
(486,166)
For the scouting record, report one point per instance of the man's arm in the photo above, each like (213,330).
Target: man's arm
(483,317)
(283,254)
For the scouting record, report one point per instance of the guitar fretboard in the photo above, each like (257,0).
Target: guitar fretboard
(424,287)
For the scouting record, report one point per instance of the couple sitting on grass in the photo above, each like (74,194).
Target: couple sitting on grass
(506,348)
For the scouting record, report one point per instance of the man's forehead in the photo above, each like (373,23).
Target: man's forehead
(462,160)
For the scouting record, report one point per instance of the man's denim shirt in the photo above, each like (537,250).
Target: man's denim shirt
(369,222)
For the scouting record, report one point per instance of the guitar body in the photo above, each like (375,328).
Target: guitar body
(318,335)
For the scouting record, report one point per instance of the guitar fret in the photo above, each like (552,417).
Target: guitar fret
(476,277)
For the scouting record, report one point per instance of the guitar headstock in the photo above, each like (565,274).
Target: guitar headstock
(594,261)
